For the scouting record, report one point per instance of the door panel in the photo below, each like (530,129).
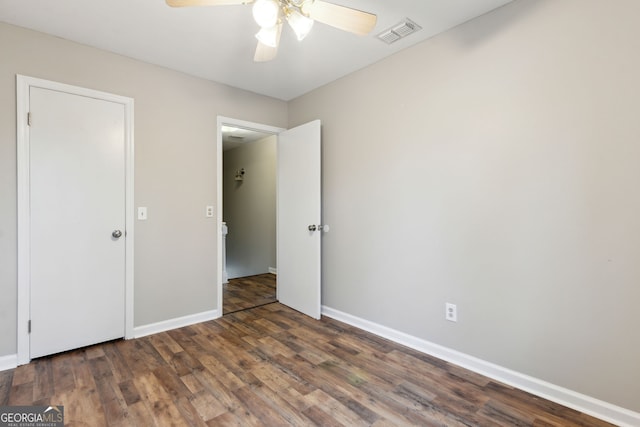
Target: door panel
(299,205)
(77,173)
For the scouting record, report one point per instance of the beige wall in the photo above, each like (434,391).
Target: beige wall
(250,207)
(175,177)
(496,167)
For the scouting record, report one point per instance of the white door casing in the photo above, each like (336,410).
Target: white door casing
(299,232)
(75,173)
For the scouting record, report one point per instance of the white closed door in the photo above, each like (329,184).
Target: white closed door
(299,215)
(77,220)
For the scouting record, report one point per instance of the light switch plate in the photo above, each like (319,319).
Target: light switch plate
(142,214)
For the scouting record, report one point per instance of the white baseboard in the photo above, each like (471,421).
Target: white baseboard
(273,270)
(178,322)
(580,402)
(9,361)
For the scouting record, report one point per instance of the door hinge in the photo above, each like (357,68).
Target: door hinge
(29,326)
(29,119)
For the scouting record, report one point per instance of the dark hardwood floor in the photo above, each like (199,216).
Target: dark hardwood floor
(248,292)
(271,366)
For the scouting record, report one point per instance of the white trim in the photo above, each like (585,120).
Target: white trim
(273,270)
(240,124)
(580,402)
(9,361)
(129,217)
(178,322)
(24,209)
(23,85)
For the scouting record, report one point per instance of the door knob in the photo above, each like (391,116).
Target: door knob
(312,227)
(116,234)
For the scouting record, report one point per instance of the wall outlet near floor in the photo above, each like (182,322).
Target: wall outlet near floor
(209,212)
(451,312)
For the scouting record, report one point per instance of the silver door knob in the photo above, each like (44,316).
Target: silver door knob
(312,227)
(116,234)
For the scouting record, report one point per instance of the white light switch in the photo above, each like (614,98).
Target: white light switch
(142,214)
(209,212)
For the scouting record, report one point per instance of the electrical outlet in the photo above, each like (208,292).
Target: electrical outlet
(451,312)
(209,212)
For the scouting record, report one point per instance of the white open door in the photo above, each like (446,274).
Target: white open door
(299,218)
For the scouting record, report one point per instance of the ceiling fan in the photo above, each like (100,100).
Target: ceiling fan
(300,14)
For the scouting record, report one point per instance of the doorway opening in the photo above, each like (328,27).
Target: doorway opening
(298,210)
(247,183)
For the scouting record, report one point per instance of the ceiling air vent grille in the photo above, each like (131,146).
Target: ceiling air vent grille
(398,31)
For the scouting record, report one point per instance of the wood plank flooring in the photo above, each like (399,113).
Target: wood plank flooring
(248,292)
(271,366)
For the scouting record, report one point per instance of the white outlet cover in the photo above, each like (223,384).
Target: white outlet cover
(451,312)
(209,212)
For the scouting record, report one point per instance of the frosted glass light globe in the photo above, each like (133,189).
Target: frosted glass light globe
(300,24)
(266,12)
(269,36)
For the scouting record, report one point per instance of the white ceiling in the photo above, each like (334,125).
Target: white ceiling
(233,137)
(217,43)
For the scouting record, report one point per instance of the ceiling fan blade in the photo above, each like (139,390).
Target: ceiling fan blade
(341,17)
(265,53)
(182,3)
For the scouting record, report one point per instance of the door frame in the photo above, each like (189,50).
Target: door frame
(23,85)
(227,121)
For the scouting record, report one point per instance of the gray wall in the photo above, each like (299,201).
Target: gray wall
(175,177)
(496,166)
(250,207)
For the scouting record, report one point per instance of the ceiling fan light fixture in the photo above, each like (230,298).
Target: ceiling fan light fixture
(300,14)
(266,12)
(300,24)
(269,36)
